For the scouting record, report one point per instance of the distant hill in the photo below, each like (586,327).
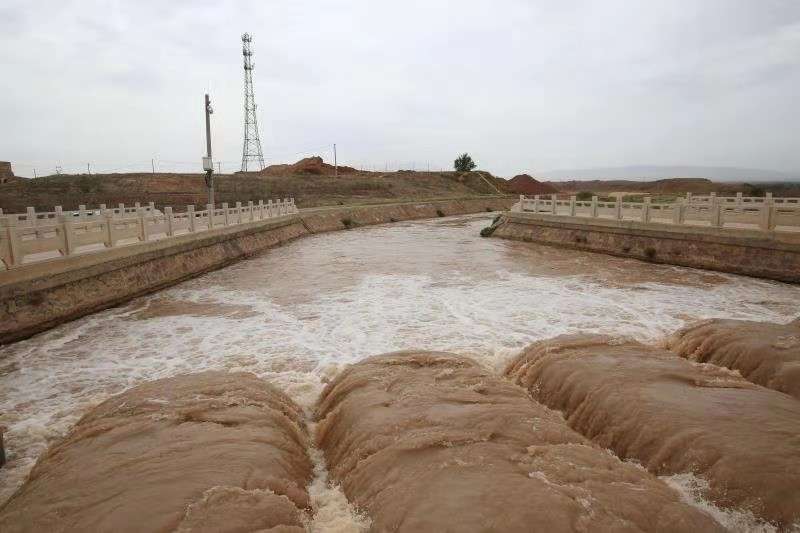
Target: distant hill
(658,172)
(525,184)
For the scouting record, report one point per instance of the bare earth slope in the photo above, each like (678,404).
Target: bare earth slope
(430,442)
(674,416)
(205,452)
(763,352)
(179,190)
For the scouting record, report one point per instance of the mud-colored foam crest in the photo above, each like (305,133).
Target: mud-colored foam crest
(675,417)
(204,452)
(763,352)
(430,441)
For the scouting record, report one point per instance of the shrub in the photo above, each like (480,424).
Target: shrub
(584,196)
(348,223)
(440,212)
(464,163)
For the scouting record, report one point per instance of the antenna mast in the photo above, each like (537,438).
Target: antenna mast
(251,151)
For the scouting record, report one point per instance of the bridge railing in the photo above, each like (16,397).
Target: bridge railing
(765,214)
(34,236)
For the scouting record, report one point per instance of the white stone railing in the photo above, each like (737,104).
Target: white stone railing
(36,236)
(765,214)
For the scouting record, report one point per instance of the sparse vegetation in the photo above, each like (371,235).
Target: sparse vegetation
(348,223)
(583,196)
(464,163)
(440,213)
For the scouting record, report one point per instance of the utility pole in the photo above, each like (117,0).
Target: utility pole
(88,169)
(335,162)
(219,167)
(153,165)
(208,164)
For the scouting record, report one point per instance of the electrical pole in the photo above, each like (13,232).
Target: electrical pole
(208,164)
(335,162)
(88,169)
(153,165)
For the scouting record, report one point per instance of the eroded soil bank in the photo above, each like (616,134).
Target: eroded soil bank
(674,416)
(213,451)
(430,442)
(763,352)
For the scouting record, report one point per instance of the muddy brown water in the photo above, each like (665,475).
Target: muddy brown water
(298,313)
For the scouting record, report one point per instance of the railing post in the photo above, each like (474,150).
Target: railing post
(238,212)
(142,225)
(269,208)
(554,202)
(109,219)
(572,205)
(81,211)
(767,212)
(14,244)
(31,214)
(151,207)
(58,211)
(225,213)
(103,209)
(170,221)
(716,211)
(594,206)
(261,210)
(738,202)
(688,198)
(618,208)
(122,210)
(535,203)
(190,217)
(69,234)
(210,210)
(285,206)
(646,210)
(136,206)
(678,211)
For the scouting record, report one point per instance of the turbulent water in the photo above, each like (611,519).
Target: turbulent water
(296,314)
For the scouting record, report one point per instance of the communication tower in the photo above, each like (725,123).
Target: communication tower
(252,157)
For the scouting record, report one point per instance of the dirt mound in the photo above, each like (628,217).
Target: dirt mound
(426,441)
(206,452)
(310,165)
(675,417)
(525,184)
(763,352)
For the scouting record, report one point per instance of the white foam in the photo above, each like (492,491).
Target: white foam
(692,490)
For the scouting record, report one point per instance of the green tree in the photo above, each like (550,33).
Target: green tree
(584,196)
(464,163)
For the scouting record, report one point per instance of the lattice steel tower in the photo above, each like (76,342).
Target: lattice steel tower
(251,151)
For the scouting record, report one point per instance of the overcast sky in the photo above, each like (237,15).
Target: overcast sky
(525,85)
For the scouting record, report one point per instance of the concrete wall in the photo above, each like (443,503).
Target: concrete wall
(764,255)
(43,295)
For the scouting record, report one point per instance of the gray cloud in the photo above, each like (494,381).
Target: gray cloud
(523,85)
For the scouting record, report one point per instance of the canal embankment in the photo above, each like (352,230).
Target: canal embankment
(770,255)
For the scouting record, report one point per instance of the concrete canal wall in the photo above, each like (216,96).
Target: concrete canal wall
(771,255)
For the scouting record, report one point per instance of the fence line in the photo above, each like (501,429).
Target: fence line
(744,212)
(36,236)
